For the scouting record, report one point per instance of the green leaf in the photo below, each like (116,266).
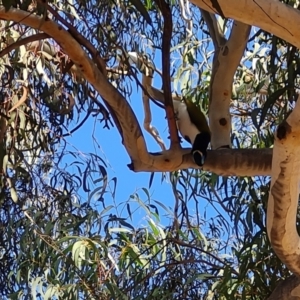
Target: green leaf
(51,291)
(104,211)
(119,229)
(124,223)
(37,283)
(254,115)
(141,8)
(76,250)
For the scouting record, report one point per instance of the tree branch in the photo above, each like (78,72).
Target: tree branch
(215,31)
(240,162)
(224,162)
(227,57)
(166,47)
(132,134)
(21,42)
(284,192)
(78,37)
(268,15)
(146,81)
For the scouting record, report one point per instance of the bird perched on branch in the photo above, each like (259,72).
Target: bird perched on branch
(190,120)
(193,127)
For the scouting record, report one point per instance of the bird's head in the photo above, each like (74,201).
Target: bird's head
(199,157)
(200,145)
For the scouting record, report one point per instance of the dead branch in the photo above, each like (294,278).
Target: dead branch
(146,81)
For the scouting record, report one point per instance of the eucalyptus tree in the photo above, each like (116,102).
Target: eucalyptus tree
(64,63)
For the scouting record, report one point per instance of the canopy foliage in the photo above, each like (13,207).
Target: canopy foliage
(64,233)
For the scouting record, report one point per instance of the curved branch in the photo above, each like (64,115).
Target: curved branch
(281,20)
(284,192)
(272,16)
(132,134)
(25,41)
(240,162)
(133,139)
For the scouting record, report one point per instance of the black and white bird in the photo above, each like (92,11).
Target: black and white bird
(193,127)
(190,120)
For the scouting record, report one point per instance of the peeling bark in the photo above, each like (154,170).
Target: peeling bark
(281,20)
(224,162)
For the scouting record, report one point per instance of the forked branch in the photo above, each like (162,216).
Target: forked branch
(227,56)
(239,162)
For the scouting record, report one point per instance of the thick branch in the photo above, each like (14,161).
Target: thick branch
(272,16)
(224,162)
(284,192)
(226,60)
(132,134)
(238,160)
(281,20)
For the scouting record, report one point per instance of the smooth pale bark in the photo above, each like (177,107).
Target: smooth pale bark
(270,15)
(284,192)
(235,162)
(227,56)
(224,162)
(131,132)
(283,21)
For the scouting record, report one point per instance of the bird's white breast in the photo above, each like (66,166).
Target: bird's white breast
(184,124)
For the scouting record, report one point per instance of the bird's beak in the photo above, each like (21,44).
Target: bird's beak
(199,158)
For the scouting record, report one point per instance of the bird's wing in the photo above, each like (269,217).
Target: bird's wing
(197,118)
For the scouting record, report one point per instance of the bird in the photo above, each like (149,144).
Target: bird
(190,120)
(193,127)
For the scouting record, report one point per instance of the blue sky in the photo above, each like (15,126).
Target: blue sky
(114,153)
(129,182)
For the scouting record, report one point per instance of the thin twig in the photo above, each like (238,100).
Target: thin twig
(78,37)
(27,40)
